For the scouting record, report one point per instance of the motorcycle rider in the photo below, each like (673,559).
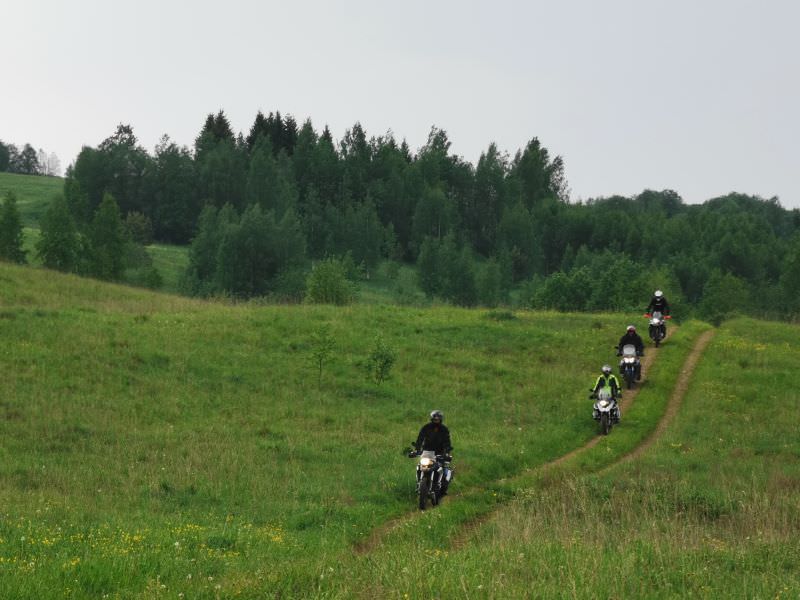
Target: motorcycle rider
(659,303)
(635,340)
(609,380)
(436,437)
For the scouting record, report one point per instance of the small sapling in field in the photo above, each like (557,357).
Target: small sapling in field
(380,361)
(322,344)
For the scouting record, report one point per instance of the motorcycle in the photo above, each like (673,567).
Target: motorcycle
(658,329)
(629,365)
(434,474)
(605,410)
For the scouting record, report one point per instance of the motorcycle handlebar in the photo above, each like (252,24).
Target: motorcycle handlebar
(444,457)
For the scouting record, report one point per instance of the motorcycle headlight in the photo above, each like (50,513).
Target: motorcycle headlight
(603,403)
(425,463)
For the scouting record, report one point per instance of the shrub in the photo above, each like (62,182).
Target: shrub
(147,277)
(328,283)
(405,288)
(139,228)
(381,360)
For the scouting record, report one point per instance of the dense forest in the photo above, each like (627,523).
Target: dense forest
(260,209)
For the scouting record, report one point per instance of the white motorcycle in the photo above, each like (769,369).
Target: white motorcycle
(658,327)
(629,365)
(434,474)
(605,410)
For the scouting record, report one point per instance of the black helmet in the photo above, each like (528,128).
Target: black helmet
(437,414)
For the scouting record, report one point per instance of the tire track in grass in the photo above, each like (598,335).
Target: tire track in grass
(377,535)
(675,399)
(673,405)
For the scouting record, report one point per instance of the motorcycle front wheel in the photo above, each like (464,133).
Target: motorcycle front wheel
(423,492)
(605,423)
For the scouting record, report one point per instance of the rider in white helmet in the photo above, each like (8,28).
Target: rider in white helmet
(609,380)
(658,303)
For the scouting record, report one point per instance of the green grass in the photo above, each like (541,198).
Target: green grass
(171,262)
(147,438)
(33,194)
(711,510)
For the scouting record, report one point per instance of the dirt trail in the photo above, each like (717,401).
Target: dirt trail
(376,536)
(676,399)
(673,405)
(627,401)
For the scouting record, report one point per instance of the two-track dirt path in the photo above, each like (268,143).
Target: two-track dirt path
(676,398)
(377,535)
(673,405)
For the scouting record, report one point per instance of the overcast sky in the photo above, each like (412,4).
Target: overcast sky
(700,96)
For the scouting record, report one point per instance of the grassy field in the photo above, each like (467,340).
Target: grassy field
(150,440)
(712,510)
(33,193)
(171,262)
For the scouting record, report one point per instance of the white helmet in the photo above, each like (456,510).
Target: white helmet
(437,414)
(659,293)
(606,369)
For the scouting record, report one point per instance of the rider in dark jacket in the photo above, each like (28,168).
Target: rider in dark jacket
(633,338)
(434,435)
(658,303)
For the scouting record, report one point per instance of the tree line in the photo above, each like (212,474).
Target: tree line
(259,209)
(106,247)
(28,161)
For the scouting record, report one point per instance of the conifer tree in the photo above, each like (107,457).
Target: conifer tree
(107,237)
(11,230)
(59,245)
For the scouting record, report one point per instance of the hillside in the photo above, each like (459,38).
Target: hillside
(151,440)
(200,430)
(33,195)
(710,510)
